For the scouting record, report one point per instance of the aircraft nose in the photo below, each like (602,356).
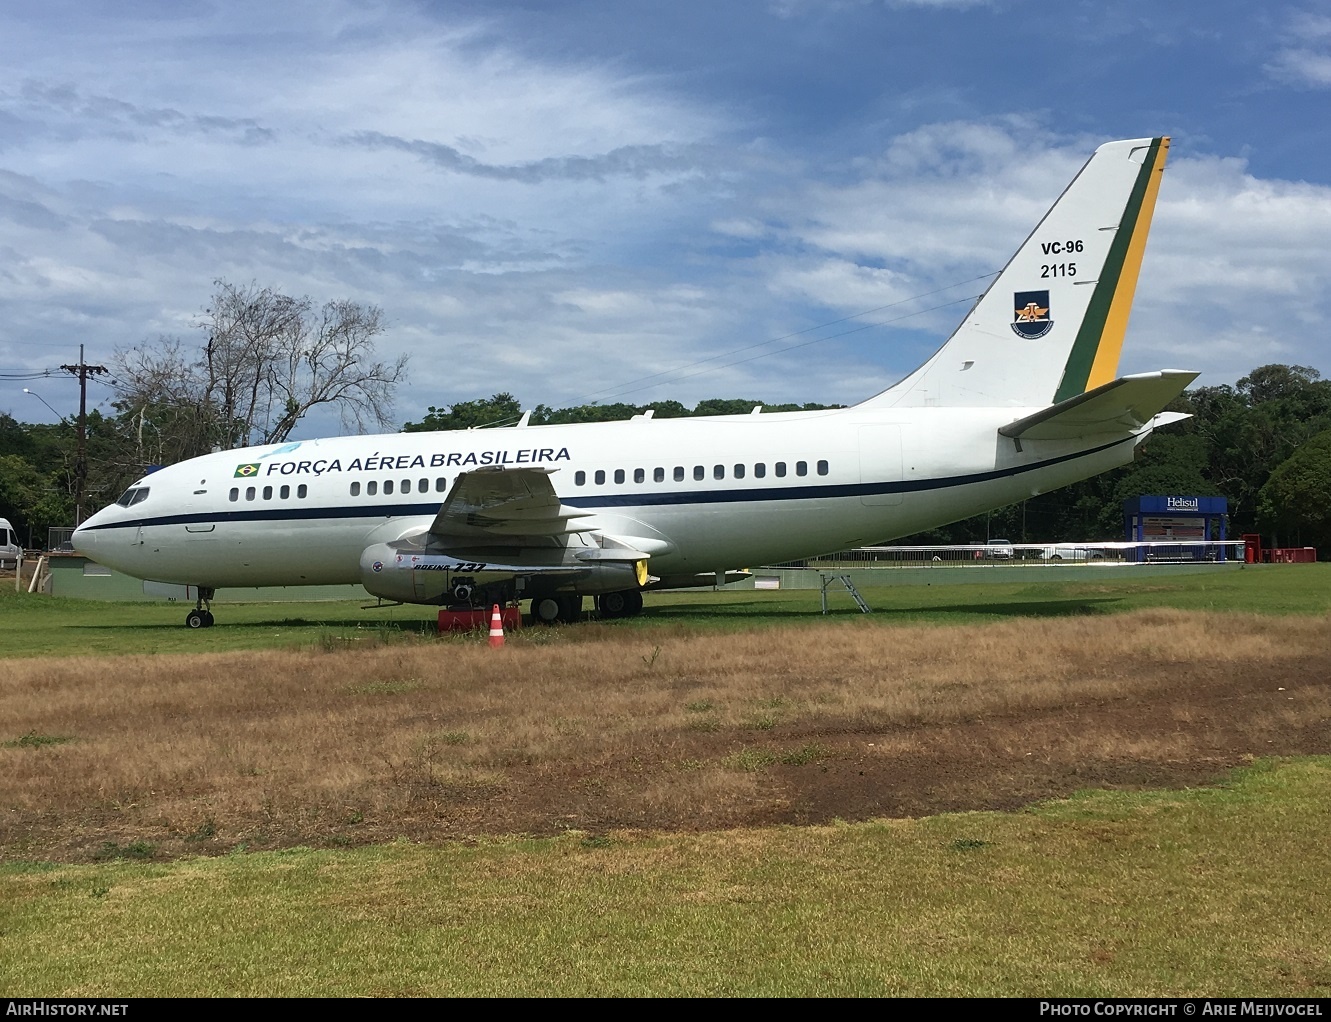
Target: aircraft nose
(84,539)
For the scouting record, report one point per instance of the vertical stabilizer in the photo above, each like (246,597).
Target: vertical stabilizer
(1051,325)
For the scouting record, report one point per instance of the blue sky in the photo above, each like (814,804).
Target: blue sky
(579,201)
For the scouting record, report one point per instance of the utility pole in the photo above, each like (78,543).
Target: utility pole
(82,371)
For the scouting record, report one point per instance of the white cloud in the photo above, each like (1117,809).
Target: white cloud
(561,228)
(1304,59)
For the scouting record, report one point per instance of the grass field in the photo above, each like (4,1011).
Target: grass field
(39,625)
(710,799)
(1211,892)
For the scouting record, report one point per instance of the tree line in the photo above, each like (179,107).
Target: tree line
(268,359)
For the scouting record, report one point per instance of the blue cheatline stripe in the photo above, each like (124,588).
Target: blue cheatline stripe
(807,492)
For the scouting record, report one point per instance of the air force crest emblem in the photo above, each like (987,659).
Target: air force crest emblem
(1030,316)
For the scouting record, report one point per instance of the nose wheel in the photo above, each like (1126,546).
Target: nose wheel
(201,616)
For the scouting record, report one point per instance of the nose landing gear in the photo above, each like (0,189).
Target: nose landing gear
(201,616)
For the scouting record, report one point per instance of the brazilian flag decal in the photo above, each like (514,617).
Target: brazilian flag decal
(245,471)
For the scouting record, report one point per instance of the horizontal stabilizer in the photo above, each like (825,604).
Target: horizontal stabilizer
(1121,406)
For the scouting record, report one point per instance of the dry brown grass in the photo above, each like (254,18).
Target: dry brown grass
(591,728)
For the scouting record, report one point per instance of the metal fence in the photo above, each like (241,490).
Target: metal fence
(1032,555)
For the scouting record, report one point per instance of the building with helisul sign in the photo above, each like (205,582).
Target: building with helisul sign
(1187,526)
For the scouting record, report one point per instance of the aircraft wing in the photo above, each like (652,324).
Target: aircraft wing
(496,501)
(1121,406)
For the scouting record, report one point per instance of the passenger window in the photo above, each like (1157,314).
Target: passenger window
(698,472)
(658,475)
(679,473)
(759,470)
(801,468)
(580,478)
(355,490)
(371,488)
(422,486)
(639,476)
(301,490)
(619,475)
(781,469)
(406,485)
(441,484)
(388,487)
(235,494)
(718,471)
(600,476)
(822,468)
(267,493)
(285,492)
(739,471)
(249,493)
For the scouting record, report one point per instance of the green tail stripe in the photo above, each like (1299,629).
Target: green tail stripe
(1082,357)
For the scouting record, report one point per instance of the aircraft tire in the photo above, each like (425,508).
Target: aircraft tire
(545,610)
(195,619)
(623,603)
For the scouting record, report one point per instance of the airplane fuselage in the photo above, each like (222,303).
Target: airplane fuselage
(697,494)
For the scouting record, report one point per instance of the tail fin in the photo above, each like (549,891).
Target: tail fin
(1051,325)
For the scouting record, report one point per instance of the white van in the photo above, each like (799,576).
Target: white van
(9,548)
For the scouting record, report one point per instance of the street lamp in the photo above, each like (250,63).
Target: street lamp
(45,402)
(79,466)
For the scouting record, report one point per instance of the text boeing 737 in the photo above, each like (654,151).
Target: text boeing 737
(1021,399)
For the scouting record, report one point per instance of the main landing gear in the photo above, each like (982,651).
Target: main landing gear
(201,616)
(624,603)
(561,609)
(564,608)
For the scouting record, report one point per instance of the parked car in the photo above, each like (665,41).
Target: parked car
(999,550)
(9,545)
(1070,552)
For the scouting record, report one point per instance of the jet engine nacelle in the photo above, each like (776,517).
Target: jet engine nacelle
(412,575)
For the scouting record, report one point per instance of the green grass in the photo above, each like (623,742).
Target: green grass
(40,625)
(1217,892)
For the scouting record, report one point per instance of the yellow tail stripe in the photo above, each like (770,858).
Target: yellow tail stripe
(1105,366)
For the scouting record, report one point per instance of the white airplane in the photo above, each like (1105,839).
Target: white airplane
(1022,398)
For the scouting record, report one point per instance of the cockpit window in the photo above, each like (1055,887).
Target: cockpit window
(134,495)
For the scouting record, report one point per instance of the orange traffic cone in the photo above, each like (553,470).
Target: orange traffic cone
(496,628)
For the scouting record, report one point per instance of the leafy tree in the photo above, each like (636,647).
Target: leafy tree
(32,500)
(1296,500)
(501,409)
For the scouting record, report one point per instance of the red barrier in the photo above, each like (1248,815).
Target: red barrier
(1292,555)
(469,620)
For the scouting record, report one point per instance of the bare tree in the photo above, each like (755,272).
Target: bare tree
(268,359)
